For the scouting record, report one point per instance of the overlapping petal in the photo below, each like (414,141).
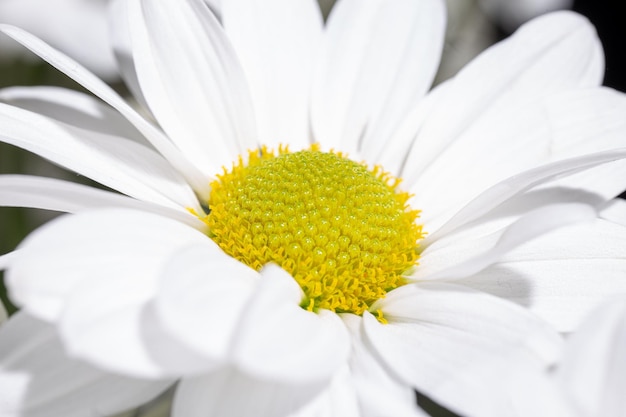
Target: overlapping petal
(225,309)
(192,81)
(38,379)
(74,70)
(277,42)
(69,197)
(492,111)
(563,275)
(457,331)
(119,163)
(377,62)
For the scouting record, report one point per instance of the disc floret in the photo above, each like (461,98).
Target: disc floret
(343,231)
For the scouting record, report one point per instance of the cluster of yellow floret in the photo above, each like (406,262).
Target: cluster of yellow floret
(344,232)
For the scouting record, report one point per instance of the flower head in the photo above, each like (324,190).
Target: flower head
(263,249)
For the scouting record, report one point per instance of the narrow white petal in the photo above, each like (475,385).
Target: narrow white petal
(587,121)
(443,339)
(564,125)
(58,195)
(277,42)
(192,81)
(379,60)
(122,44)
(116,162)
(593,370)
(71,107)
(91,246)
(38,378)
(78,73)
(464,258)
(502,191)
(230,393)
(553,53)
(379,391)
(562,275)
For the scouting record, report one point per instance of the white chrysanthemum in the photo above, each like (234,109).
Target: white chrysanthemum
(134,293)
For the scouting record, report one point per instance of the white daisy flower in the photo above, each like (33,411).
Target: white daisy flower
(287,282)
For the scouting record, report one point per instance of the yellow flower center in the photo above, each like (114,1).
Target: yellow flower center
(344,232)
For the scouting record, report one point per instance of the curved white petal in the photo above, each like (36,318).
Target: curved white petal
(587,121)
(38,378)
(116,162)
(71,107)
(379,60)
(79,74)
(58,195)
(443,339)
(379,391)
(562,275)
(277,339)
(491,113)
(228,392)
(515,185)
(564,125)
(614,211)
(224,309)
(192,81)
(593,369)
(277,42)
(121,42)
(460,257)
(91,246)
(74,26)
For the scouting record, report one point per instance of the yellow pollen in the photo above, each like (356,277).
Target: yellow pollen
(344,232)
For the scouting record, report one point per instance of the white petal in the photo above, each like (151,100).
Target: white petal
(337,399)
(491,109)
(121,42)
(90,246)
(99,88)
(58,195)
(71,107)
(459,257)
(379,61)
(230,393)
(123,334)
(201,295)
(562,275)
(379,392)
(5,260)
(119,163)
(254,320)
(74,26)
(593,369)
(587,121)
(615,211)
(278,339)
(192,81)
(38,379)
(442,339)
(277,43)
(515,185)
